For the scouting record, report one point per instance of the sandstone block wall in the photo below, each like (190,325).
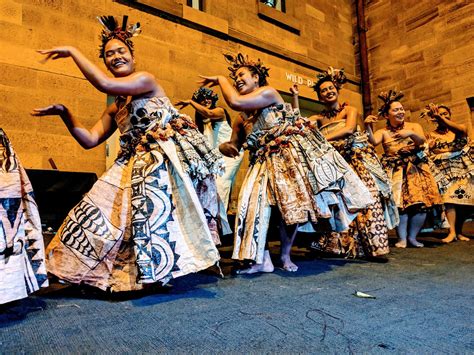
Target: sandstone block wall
(175,53)
(424,48)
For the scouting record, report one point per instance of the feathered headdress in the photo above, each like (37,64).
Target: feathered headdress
(387,99)
(336,76)
(112,30)
(204,93)
(239,61)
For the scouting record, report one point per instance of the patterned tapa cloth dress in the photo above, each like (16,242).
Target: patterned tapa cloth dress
(22,266)
(368,233)
(408,168)
(293,167)
(453,158)
(143,221)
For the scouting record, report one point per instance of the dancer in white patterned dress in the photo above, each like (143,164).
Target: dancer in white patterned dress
(142,222)
(292,167)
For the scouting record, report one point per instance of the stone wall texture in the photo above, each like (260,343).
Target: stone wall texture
(424,48)
(174,51)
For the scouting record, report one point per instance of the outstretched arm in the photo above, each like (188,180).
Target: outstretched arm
(349,128)
(213,114)
(136,84)
(87,138)
(262,97)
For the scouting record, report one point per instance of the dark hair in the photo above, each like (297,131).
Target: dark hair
(317,86)
(336,76)
(446,108)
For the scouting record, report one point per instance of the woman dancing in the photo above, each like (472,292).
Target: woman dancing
(368,235)
(142,222)
(453,156)
(292,168)
(414,187)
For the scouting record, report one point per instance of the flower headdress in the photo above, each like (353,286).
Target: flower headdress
(387,99)
(336,76)
(239,61)
(112,30)
(204,93)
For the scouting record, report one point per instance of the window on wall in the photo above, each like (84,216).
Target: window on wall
(196,4)
(276,4)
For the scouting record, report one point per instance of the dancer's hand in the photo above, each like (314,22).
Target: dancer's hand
(52,110)
(56,53)
(371,119)
(209,81)
(182,103)
(294,90)
(229,150)
(434,112)
(403,133)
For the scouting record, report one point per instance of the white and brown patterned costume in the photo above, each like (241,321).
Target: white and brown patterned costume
(143,221)
(293,167)
(22,266)
(368,234)
(453,158)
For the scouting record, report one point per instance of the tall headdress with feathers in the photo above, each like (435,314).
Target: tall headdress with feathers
(387,99)
(112,30)
(238,61)
(336,76)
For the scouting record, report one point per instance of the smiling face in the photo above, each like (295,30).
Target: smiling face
(396,114)
(245,81)
(328,93)
(118,58)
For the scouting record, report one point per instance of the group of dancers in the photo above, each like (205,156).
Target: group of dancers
(158,211)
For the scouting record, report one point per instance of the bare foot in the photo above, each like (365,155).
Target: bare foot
(256,268)
(462,238)
(449,238)
(266,266)
(288,265)
(401,244)
(415,243)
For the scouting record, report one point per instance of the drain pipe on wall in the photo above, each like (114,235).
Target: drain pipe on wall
(364,61)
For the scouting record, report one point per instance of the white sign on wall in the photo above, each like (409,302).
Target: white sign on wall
(296,79)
